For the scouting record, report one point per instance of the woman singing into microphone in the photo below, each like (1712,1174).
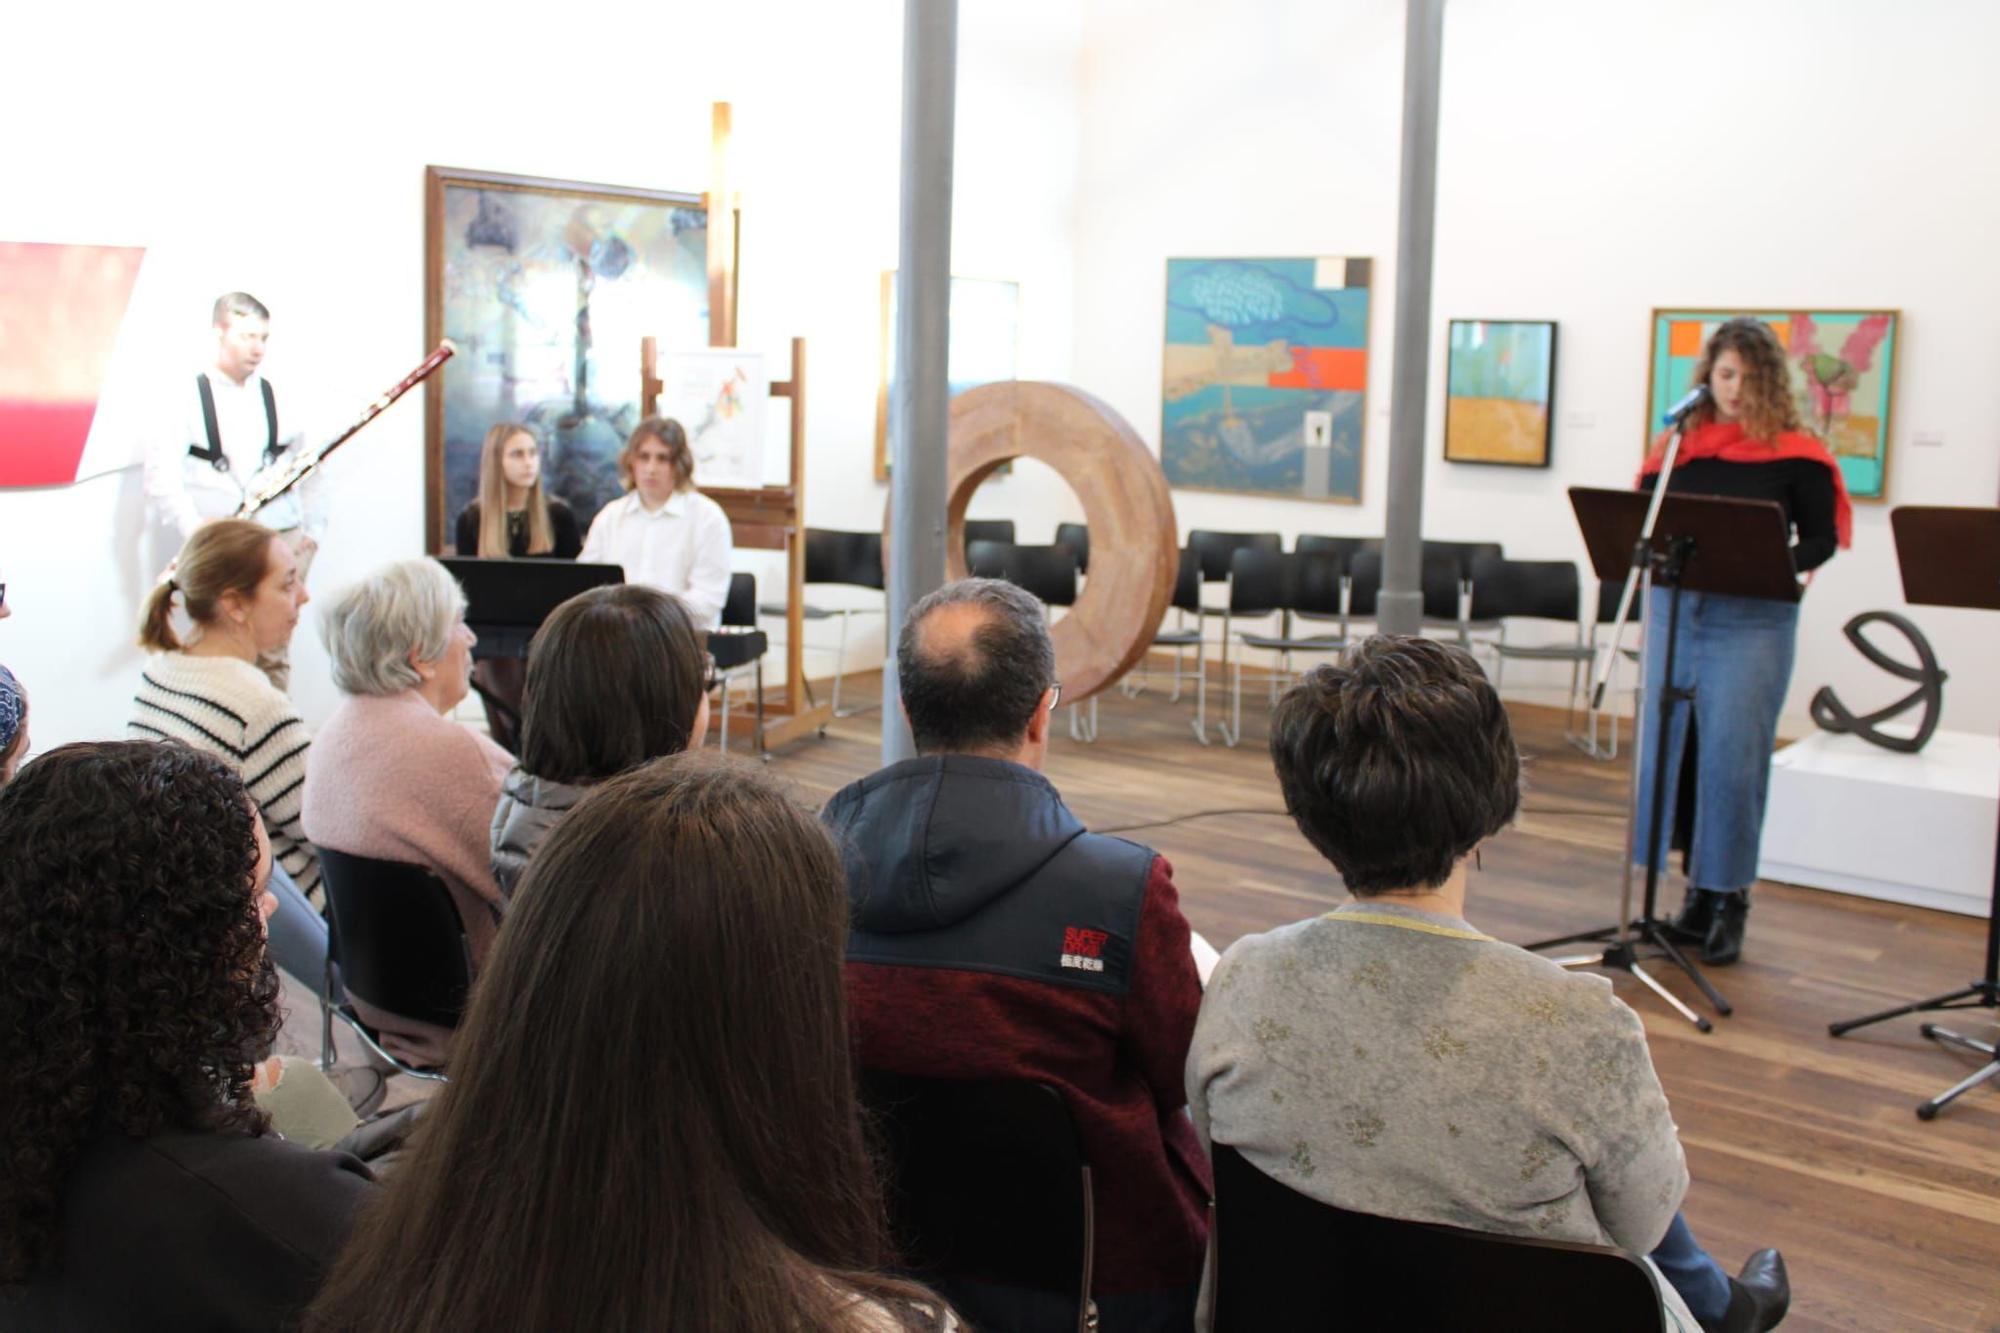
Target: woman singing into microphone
(1735,653)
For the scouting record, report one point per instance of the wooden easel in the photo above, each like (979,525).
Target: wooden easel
(768,518)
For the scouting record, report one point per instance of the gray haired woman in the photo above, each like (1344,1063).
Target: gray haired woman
(390,775)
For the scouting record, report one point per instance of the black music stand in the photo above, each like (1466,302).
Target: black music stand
(1951,557)
(506,601)
(1704,544)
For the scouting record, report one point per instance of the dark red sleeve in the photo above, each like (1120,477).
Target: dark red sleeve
(1165,996)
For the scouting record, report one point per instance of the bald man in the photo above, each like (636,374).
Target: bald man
(993,937)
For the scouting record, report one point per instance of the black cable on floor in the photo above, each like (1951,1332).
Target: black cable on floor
(1577,812)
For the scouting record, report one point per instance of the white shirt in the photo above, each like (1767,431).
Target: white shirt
(680,548)
(184,490)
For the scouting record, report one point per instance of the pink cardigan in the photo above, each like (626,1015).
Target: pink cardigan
(390,778)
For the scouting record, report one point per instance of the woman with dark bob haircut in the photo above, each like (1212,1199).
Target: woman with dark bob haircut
(139,1186)
(1389,1058)
(651,1121)
(616,676)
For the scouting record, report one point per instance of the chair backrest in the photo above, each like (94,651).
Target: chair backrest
(984,1179)
(1364,582)
(1216,548)
(1284,1260)
(854,558)
(1341,549)
(740,607)
(1187,582)
(394,932)
(1608,593)
(1536,589)
(1259,581)
(990,559)
(1049,572)
(1443,581)
(989,530)
(1316,579)
(1462,554)
(1076,536)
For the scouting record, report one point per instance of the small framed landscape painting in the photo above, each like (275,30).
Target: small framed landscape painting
(1500,390)
(1843,372)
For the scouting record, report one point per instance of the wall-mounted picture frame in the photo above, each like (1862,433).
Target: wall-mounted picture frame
(985,333)
(547,287)
(1264,384)
(1843,371)
(1500,392)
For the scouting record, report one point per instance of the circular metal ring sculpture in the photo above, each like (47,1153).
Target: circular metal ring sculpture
(1133,558)
(1832,715)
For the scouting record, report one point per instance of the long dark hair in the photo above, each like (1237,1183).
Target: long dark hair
(135,994)
(614,678)
(651,1121)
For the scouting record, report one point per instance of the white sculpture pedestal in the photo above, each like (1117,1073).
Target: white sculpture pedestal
(1908,828)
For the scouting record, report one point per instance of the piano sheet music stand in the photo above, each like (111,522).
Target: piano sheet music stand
(1951,557)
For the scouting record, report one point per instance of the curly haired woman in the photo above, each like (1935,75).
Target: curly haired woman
(1735,653)
(139,1185)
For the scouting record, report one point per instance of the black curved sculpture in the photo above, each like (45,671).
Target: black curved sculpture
(1832,715)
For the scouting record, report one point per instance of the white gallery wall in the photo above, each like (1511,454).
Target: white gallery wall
(285,156)
(1595,160)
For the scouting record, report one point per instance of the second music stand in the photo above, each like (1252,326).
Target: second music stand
(1951,557)
(1741,548)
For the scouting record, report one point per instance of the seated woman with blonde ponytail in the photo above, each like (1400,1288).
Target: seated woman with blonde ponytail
(239,585)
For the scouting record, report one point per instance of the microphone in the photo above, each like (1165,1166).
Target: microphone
(1695,398)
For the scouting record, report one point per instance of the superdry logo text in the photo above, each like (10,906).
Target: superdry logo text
(1083,949)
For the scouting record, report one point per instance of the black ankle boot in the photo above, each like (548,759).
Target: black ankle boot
(1724,944)
(1696,914)
(1759,1296)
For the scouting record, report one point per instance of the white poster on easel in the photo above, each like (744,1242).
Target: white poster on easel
(719,395)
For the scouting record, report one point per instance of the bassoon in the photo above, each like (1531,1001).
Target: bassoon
(274,481)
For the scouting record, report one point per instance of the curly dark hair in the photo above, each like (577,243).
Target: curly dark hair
(135,994)
(1769,407)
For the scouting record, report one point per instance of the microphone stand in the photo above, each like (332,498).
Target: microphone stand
(1621,939)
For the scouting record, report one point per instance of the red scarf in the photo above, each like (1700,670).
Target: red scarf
(1725,440)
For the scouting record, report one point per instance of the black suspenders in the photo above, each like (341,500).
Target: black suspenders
(213,454)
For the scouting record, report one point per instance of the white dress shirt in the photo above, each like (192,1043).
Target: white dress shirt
(681,548)
(184,490)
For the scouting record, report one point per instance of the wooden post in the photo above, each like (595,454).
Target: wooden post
(721,234)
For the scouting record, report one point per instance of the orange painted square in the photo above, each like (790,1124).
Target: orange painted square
(1324,368)
(1684,338)
(1783,328)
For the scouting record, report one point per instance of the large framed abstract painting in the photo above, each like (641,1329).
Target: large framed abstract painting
(1843,371)
(1500,389)
(1265,376)
(984,324)
(547,287)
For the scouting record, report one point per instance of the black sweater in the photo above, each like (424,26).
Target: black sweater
(1802,488)
(569,544)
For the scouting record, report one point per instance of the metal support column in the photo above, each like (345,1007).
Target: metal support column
(923,304)
(1401,604)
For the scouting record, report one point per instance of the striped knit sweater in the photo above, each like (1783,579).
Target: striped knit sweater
(229,708)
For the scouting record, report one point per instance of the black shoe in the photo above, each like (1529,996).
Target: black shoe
(1758,1296)
(1696,914)
(1724,944)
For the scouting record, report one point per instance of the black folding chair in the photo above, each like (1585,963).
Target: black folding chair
(738,648)
(1186,602)
(395,939)
(1287,1261)
(1049,574)
(1215,550)
(986,1187)
(1264,582)
(1076,536)
(833,557)
(988,530)
(1548,590)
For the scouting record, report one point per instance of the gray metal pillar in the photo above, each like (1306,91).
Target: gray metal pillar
(923,305)
(1401,605)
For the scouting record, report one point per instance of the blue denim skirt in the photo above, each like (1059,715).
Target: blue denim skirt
(1736,654)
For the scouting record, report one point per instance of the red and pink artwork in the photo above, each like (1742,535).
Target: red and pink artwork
(61,307)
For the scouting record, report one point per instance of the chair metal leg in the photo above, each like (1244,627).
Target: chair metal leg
(1232,731)
(758,744)
(725,717)
(840,662)
(1201,689)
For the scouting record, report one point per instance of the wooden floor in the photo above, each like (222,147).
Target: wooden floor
(1794,1139)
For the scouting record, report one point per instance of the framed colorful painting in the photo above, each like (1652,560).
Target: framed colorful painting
(547,287)
(984,324)
(1843,370)
(1500,390)
(1266,376)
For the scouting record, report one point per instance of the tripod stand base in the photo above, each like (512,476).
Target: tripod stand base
(1621,954)
(1978,995)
